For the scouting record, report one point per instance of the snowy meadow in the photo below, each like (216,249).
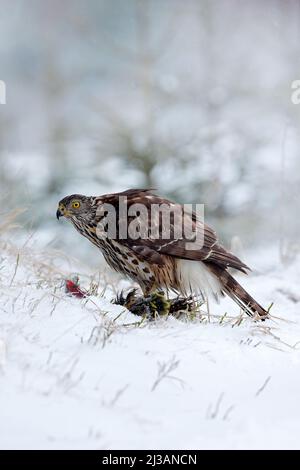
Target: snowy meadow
(83,373)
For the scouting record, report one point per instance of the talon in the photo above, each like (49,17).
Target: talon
(155,304)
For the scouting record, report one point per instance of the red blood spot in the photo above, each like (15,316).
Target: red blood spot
(74,289)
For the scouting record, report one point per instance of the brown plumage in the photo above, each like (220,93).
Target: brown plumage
(163,260)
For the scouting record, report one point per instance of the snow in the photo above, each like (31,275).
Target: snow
(86,374)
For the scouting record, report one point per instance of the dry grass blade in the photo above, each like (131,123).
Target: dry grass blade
(261,389)
(8,220)
(164,371)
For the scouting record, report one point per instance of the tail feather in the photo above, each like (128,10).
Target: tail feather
(237,293)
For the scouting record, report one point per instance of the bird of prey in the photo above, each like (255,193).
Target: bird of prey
(156,258)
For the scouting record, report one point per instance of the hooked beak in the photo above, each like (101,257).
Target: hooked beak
(58,214)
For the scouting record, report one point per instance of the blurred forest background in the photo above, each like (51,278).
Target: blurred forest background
(190,97)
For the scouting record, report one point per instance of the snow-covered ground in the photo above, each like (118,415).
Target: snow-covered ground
(83,373)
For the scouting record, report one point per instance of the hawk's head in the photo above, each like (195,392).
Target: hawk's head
(75,206)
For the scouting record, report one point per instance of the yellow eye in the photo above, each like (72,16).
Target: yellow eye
(76,204)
